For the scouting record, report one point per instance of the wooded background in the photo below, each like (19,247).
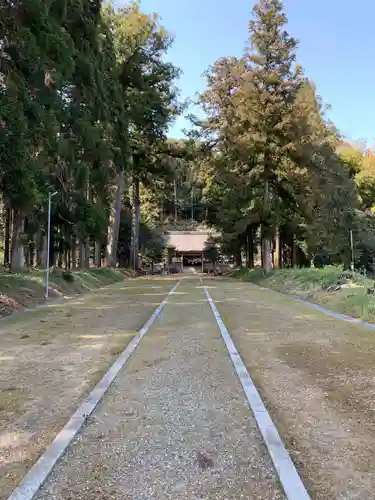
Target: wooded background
(87,96)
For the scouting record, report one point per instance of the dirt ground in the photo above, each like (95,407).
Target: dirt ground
(51,358)
(316,375)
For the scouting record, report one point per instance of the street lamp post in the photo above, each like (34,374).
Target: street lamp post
(352,250)
(46,276)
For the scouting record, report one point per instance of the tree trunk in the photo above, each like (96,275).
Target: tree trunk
(136,219)
(68,258)
(39,249)
(66,247)
(87,253)
(52,254)
(7,232)
(60,256)
(238,258)
(43,252)
(175,200)
(74,253)
(276,254)
(82,254)
(246,248)
(32,247)
(98,254)
(18,255)
(266,253)
(250,248)
(281,247)
(26,255)
(294,252)
(266,237)
(114,223)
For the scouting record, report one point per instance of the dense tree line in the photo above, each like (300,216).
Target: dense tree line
(278,179)
(86,98)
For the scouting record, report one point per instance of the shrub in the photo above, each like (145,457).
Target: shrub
(67,276)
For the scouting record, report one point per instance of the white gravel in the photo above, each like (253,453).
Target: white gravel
(175,424)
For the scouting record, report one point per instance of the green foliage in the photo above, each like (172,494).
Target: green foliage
(84,88)
(272,159)
(211,250)
(152,245)
(301,280)
(67,276)
(331,287)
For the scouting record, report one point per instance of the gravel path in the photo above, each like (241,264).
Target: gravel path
(175,424)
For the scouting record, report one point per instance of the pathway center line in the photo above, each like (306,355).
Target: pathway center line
(289,478)
(34,479)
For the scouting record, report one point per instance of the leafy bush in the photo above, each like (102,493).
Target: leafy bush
(302,279)
(67,276)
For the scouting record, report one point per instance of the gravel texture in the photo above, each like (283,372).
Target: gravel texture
(50,360)
(316,375)
(174,425)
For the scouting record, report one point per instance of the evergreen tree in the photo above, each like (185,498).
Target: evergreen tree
(272,82)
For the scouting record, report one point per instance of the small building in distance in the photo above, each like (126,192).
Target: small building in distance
(186,248)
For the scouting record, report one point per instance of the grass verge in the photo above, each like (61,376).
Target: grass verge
(26,290)
(332,287)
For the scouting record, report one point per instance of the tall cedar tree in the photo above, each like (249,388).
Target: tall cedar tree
(274,80)
(228,192)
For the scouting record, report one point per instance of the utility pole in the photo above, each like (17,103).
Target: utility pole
(46,275)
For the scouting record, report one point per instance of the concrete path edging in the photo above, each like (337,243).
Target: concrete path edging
(37,475)
(289,478)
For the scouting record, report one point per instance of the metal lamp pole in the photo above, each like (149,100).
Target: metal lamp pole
(46,278)
(352,250)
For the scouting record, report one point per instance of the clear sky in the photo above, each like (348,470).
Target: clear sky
(336,49)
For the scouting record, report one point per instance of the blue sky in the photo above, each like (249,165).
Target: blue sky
(336,49)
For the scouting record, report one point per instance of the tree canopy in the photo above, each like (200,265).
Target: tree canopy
(85,102)
(87,95)
(275,174)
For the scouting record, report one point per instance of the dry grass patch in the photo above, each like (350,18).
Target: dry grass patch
(12,403)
